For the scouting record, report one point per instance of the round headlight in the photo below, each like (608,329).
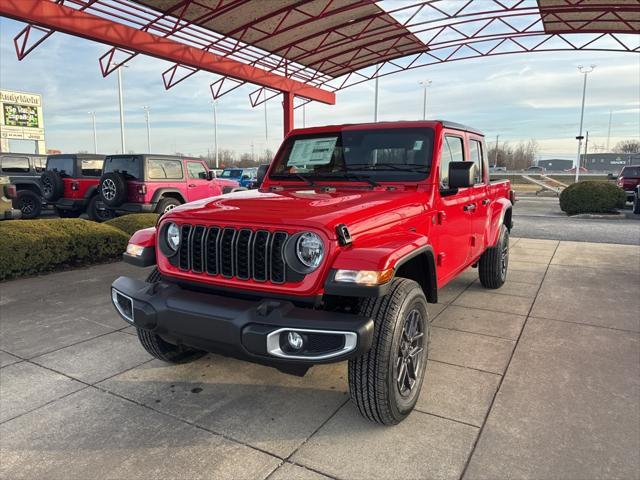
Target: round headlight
(173,236)
(310,250)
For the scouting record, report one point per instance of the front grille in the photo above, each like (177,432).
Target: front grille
(234,253)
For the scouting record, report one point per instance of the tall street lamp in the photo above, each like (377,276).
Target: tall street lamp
(375,103)
(215,130)
(95,133)
(146,114)
(584,71)
(121,102)
(425,84)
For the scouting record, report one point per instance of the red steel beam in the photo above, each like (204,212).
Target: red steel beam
(81,24)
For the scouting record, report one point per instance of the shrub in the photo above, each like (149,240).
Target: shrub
(34,246)
(134,222)
(591,197)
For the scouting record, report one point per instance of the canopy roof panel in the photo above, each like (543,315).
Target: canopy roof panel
(327,36)
(618,16)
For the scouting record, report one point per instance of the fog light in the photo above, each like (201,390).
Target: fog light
(295,341)
(135,250)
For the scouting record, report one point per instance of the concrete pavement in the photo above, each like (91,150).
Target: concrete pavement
(539,379)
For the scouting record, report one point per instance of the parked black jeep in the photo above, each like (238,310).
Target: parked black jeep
(24,172)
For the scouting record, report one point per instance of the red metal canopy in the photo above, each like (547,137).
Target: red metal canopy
(312,48)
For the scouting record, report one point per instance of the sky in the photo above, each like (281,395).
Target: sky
(518,97)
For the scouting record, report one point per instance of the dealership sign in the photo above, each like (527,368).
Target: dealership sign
(21,116)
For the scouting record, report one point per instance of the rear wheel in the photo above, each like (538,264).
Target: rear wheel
(29,203)
(385,383)
(161,349)
(52,185)
(113,189)
(167,204)
(495,261)
(98,213)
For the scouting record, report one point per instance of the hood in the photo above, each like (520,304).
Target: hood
(358,209)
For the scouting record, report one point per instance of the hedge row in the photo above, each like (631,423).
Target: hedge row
(29,247)
(134,222)
(591,197)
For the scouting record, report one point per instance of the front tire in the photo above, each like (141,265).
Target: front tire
(385,382)
(159,348)
(29,203)
(494,262)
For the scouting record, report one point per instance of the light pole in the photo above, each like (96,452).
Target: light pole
(146,112)
(215,131)
(266,128)
(584,72)
(95,133)
(424,84)
(609,130)
(121,102)
(496,160)
(304,115)
(375,103)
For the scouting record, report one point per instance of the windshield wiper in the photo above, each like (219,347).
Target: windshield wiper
(304,179)
(360,178)
(389,166)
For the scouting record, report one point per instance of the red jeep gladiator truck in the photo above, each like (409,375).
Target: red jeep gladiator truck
(334,257)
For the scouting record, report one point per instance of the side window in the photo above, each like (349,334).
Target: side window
(452,151)
(39,164)
(165,169)
(196,171)
(92,168)
(475,150)
(15,165)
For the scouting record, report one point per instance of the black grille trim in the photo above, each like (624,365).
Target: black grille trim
(241,253)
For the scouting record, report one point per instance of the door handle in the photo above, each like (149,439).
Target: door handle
(485,201)
(192,185)
(470,207)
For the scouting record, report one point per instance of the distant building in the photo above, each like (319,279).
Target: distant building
(556,164)
(593,162)
(609,162)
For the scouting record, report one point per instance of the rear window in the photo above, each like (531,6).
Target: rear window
(62,165)
(233,173)
(92,168)
(630,172)
(15,164)
(160,169)
(128,166)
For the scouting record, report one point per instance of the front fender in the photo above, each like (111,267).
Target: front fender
(500,209)
(380,254)
(145,237)
(146,257)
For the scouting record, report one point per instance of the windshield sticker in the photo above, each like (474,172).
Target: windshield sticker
(312,151)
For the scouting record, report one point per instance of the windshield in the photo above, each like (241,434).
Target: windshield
(381,155)
(128,166)
(630,172)
(62,165)
(234,173)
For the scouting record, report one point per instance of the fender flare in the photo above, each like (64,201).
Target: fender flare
(91,191)
(497,219)
(162,191)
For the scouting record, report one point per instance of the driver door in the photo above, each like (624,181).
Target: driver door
(452,231)
(198,185)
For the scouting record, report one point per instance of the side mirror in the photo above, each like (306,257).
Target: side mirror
(461,174)
(211,174)
(260,174)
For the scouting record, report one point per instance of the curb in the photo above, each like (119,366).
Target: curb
(601,216)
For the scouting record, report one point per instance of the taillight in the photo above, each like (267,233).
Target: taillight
(11,191)
(142,189)
(619,181)
(75,186)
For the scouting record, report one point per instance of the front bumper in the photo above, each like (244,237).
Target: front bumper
(12,214)
(134,208)
(253,330)
(71,203)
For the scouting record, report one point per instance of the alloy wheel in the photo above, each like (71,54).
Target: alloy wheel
(108,189)
(410,353)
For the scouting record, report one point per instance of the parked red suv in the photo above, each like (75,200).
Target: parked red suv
(157,183)
(70,183)
(354,229)
(628,180)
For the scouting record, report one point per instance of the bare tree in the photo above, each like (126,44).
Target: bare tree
(519,157)
(627,146)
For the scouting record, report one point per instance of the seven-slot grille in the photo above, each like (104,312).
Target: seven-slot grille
(230,252)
